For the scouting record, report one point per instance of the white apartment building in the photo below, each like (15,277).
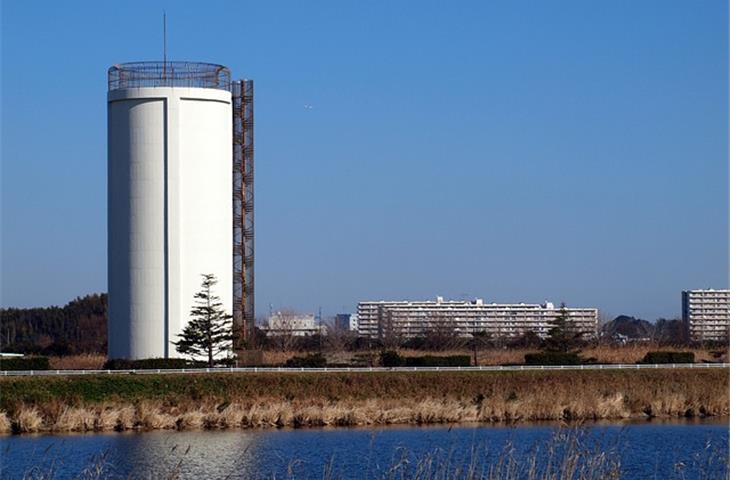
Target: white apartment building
(706,314)
(413,319)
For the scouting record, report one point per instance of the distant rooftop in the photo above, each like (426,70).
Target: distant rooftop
(169,74)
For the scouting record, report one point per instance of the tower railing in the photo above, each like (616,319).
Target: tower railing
(169,74)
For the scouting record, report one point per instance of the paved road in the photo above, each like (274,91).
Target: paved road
(511,368)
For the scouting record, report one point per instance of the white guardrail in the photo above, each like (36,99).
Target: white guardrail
(491,368)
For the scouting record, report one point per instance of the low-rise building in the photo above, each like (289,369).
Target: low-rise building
(706,314)
(407,319)
(298,325)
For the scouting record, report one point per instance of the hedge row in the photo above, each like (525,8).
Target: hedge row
(393,359)
(24,363)
(669,357)
(147,363)
(552,358)
(315,360)
(435,361)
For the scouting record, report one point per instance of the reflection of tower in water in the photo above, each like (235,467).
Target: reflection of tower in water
(193,454)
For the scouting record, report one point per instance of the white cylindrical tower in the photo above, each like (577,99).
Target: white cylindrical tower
(169,199)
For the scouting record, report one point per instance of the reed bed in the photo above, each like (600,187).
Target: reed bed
(179,402)
(84,361)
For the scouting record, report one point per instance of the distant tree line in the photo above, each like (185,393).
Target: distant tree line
(77,327)
(81,327)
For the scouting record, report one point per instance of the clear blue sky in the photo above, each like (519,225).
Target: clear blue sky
(511,150)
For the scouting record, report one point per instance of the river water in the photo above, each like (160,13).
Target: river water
(661,450)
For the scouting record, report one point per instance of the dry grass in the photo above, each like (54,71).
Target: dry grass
(303,400)
(86,361)
(5,425)
(28,420)
(275,413)
(275,357)
(635,352)
(76,419)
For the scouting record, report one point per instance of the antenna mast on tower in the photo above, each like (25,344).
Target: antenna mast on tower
(164,45)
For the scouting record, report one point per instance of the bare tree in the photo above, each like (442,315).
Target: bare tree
(281,329)
(391,334)
(442,333)
(479,340)
(338,339)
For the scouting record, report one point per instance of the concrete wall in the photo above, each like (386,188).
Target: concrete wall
(169,212)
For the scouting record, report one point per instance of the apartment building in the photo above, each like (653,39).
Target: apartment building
(407,319)
(706,314)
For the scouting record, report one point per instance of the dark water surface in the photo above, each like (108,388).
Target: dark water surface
(645,449)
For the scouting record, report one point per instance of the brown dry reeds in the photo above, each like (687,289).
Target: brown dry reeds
(84,361)
(151,416)
(310,399)
(28,420)
(76,419)
(317,413)
(5,425)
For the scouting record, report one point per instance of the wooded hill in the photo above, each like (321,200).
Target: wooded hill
(77,327)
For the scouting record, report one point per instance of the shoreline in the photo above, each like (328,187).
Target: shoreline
(575,424)
(250,401)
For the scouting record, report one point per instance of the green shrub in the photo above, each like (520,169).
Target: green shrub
(24,363)
(391,358)
(151,363)
(315,360)
(552,358)
(669,357)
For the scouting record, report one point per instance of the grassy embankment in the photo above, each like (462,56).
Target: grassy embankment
(122,402)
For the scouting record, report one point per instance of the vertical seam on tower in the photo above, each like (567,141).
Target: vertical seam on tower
(166,254)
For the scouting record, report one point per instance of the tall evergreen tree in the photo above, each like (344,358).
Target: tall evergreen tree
(210,330)
(561,337)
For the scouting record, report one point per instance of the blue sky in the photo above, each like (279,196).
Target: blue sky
(510,150)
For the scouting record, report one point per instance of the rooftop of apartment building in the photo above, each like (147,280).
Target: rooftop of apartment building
(477,302)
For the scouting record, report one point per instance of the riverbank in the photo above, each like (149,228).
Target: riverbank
(150,402)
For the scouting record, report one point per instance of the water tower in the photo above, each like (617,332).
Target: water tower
(180,200)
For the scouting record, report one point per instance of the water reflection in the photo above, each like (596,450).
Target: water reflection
(648,450)
(159,453)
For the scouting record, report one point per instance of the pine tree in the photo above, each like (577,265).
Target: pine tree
(210,330)
(560,337)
